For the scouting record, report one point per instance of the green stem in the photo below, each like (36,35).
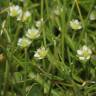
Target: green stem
(42,27)
(25,72)
(5,79)
(63,28)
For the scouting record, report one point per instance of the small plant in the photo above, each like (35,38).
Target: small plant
(47,47)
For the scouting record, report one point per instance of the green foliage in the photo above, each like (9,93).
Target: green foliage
(59,73)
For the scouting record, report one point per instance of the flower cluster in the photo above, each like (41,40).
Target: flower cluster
(25,42)
(16,11)
(83,53)
(30,35)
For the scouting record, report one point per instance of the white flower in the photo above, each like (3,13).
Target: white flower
(23,42)
(41,53)
(39,23)
(14,10)
(75,24)
(24,16)
(58,10)
(84,53)
(32,33)
(93,15)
